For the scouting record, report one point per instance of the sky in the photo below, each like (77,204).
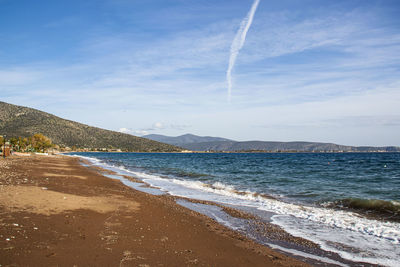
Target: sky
(323,71)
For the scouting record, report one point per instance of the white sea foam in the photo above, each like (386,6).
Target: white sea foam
(307,255)
(351,236)
(351,245)
(334,218)
(92,160)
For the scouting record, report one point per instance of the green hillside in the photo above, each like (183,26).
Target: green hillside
(21,121)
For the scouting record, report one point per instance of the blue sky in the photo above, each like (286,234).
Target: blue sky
(309,70)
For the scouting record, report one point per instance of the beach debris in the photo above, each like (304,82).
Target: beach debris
(127,253)
(15,224)
(44,188)
(127,256)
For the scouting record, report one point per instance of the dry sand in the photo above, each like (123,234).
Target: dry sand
(55,212)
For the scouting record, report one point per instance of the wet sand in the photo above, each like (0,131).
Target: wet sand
(56,212)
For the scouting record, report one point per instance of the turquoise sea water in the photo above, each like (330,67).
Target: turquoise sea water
(351,199)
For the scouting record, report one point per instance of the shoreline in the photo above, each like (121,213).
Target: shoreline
(56,211)
(257,228)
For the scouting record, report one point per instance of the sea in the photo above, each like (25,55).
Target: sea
(346,203)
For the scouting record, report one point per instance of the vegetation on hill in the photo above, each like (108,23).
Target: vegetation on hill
(17,121)
(35,143)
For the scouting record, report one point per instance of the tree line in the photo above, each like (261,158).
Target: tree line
(35,143)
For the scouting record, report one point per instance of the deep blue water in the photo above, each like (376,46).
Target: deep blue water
(298,177)
(347,203)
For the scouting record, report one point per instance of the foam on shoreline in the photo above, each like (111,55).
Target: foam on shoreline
(346,233)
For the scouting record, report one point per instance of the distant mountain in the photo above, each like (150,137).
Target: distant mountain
(229,145)
(21,121)
(184,139)
(282,146)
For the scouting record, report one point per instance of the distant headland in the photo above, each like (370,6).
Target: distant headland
(23,122)
(218,144)
(17,121)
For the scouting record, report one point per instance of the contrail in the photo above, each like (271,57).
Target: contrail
(238,43)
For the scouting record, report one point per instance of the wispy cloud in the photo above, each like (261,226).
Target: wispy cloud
(18,76)
(293,68)
(238,43)
(187,68)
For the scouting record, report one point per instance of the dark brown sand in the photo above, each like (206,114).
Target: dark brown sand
(55,212)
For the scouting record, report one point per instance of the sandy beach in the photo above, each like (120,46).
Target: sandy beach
(56,212)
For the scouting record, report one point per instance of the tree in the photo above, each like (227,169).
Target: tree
(41,142)
(22,143)
(14,143)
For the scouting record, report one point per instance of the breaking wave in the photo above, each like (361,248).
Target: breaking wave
(336,226)
(386,210)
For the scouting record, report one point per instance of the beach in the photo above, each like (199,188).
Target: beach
(54,211)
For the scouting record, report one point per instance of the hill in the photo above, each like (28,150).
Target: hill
(22,121)
(184,139)
(230,145)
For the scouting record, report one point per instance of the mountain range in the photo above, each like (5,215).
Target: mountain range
(184,139)
(18,121)
(208,143)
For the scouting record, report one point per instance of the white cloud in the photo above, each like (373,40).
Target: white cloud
(180,77)
(20,76)
(124,130)
(133,132)
(238,43)
(140,132)
(158,126)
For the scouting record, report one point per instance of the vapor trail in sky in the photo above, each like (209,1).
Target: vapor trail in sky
(238,43)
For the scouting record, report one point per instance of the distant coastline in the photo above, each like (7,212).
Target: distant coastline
(70,136)
(219,144)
